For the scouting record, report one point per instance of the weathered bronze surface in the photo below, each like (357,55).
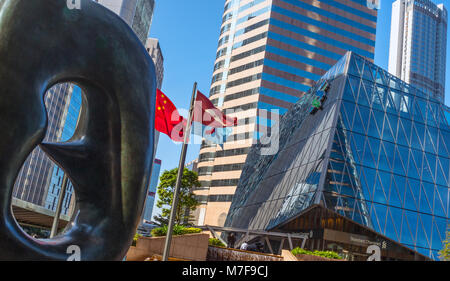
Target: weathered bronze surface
(108,160)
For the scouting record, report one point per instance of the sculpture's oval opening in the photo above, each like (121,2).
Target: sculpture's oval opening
(38,186)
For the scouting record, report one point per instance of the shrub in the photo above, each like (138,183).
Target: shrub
(191,230)
(216,242)
(159,231)
(177,230)
(300,251)
(325,254)
(135,238)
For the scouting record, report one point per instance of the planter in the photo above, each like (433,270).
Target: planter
(227,254)
(186,247)
(302,257)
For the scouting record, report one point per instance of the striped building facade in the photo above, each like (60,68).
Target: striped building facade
(270,53)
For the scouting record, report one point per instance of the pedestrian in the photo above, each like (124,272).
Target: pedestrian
(231,239)
(244,246)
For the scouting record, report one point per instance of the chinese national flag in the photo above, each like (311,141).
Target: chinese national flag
(209,115)
(167,119)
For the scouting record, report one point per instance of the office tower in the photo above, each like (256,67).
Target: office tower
(369,165)
(150,202)
(57,174)
(33,179)
(193,165)
(269,54)
(154,49)
(418,45)
(138,14)
(191,217)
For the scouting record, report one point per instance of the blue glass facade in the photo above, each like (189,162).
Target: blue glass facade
(150,202)
(377,152)
(35,174)
(56,180)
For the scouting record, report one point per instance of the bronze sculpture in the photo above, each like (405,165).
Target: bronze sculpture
(45,42)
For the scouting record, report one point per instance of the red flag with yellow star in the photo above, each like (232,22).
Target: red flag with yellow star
(167,119)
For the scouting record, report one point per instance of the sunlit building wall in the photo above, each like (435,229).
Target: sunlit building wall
(418,45)
(269,54)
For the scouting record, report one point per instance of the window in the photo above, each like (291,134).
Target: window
(214,90)
(208,156)
(225,28)
(220,198)
(202,171)
(248,53)
(224,40)
(251,27)
(227,17)
(241,94)
(250,40)
(226,182)
(217,77)
(232,152)
(221,52)
(244,80)
(243,107)
(219,65)
(246,67)
(228,167)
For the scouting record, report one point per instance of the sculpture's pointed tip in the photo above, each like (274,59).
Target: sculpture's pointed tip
(66,153)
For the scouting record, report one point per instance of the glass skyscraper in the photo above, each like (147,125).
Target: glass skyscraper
(371,150)
(418,45)
(150,202)
(57,173)
(270,52)
(33,179)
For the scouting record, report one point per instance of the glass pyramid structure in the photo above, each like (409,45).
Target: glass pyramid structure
(376,150)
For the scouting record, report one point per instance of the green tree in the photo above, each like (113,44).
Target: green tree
(444,254)
(187,200)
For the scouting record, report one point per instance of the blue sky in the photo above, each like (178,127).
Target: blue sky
(188,32)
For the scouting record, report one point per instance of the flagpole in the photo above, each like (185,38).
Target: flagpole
(179,176)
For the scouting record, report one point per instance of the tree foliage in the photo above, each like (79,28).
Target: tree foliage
(444,254)
(166,189)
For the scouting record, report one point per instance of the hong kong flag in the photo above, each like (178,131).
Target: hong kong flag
(207,114)
(167,119)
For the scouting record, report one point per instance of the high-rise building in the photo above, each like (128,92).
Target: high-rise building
(57,174)
(367,166)
(33,179)
(192,217)
(138,14)
(418,45)
(270,52)
(150,202)
(193,165)
(154,49)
